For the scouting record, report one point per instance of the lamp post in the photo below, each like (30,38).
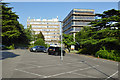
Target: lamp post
(61,57)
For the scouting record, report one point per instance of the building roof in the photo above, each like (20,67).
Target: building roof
(71,12)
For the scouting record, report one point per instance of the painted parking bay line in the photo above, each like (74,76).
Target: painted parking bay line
(45,65)
(30,73)
(84,75)
(70,71)
(81,69)
(112,75)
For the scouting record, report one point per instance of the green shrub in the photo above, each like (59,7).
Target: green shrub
(11,47)
(118,59)
(32,45)
(83,51)
(39,42)
(80,50)
(112,54)
(101,53)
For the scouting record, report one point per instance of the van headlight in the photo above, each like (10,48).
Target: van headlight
(34,49)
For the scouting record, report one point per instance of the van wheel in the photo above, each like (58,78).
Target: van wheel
(36,51)
(56,54)
(63,54)
(48,53)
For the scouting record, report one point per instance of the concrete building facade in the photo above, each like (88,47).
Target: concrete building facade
(50,28)
(76,19)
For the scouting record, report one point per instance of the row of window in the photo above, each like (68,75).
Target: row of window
(50,39)
(50,33)
(67,21)
(77,29)
(84,11)
(46,26)
(83,17)
(51,36)
(52,43)
(75,23)
(72,29)
(79,17)
(45,30)
(81,23)
(41,23)
(66,27)
(68,31)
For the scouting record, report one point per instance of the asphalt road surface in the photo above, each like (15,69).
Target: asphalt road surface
(25,64)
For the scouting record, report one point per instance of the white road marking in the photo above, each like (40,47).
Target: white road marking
(31,61)
(68,63)
(105,60)
(84,75)
(34,65)
(81,69)
(70,71)
(117,64)
(112,75)
(55,75)
(44,66)
(27,68)
(29,64)
(59,64)
(29,72)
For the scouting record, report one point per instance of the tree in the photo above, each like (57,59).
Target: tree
(38,36)
(107,19)
(68,40)
(9,25)
(28,32)
(40,42)
(105,41)
(12,31)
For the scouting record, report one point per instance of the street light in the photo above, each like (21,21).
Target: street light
(61,57)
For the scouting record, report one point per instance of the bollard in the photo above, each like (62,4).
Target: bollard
(98,56)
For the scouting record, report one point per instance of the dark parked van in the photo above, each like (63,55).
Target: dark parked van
(55,51)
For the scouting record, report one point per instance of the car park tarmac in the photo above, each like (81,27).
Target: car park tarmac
(26,64)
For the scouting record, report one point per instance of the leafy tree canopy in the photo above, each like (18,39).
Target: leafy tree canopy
(38,36)
(92,41)
(12,31)
(68,40)
(40,42)
(107,19)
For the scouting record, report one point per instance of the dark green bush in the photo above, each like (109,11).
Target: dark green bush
(10,47)
(101,39)
(82,51)
(112,55)
(40,42)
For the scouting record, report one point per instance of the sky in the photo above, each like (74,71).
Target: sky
(49,10)
(61,0)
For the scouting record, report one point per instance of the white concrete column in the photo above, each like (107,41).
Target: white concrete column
(74,36)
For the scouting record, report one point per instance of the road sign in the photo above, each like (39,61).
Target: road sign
(72,47)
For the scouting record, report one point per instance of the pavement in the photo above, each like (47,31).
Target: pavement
(23,64)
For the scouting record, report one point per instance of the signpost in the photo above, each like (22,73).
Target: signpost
(61,57)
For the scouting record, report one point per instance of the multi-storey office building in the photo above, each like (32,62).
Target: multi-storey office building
(49,28)
(76,19)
